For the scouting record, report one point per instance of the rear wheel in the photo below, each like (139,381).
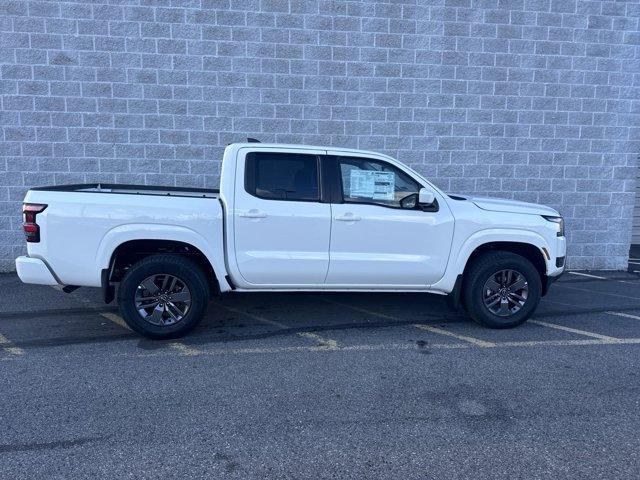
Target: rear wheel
(501,289)
(163,296)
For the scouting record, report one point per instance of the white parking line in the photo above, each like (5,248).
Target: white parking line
(568,343)
(587,275)
(112,317)
(117,319)
(441,331)
(600,278)
(396,346)
(621,314)
(324,342)
(595,292)
(8,347)
(546,300)
(576,331)
(358,309)
(185,350)
(298,349)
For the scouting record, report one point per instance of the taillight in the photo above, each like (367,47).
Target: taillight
(30,227)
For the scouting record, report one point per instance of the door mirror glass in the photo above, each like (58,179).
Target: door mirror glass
(409,202)
(426,197)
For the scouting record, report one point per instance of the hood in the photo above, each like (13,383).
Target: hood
(510,206)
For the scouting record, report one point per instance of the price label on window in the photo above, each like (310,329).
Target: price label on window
(372,184)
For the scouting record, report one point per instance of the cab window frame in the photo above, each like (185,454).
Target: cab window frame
(340,183)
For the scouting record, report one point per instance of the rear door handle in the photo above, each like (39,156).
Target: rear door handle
(253,213)
(347,217)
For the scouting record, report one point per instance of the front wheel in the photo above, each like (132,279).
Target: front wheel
(163,296)
(501,289)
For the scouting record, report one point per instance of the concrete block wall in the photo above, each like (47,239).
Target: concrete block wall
(537,100)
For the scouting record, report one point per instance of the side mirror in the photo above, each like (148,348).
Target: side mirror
(409,202)
(426,197)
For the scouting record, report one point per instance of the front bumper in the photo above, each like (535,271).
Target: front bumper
(34,270)
(557,263)
(549,280)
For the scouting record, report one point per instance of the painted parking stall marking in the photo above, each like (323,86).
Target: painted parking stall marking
(8,347)
(119,321)
(185,350)
(626,315)
(599,277)
(571,287)
(394,319)
(357,309)
(441,331)
(322,341)
(588,275)
(429,328)
(112,317)
(575,330)
(396,347)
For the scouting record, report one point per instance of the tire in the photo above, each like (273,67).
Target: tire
(484,278)
(171,316)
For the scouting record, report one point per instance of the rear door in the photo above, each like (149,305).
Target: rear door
(377,239)
(281,226)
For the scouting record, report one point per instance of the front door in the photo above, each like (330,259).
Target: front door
(281,227)
(377,239)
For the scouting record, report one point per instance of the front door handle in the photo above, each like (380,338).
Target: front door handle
(253,213)
(347,217)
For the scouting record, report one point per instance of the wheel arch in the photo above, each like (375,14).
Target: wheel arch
(125,244)
(527,250)
(132,251)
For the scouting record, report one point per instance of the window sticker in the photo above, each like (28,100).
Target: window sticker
(372,184)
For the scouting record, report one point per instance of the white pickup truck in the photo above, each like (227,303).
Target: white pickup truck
(291,218)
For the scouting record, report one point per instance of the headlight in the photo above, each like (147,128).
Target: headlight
(559,221)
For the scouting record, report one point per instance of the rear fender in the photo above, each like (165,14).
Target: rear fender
(124,233)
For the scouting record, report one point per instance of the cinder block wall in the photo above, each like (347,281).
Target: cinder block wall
(536,100)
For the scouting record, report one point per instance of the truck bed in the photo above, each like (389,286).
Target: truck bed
(83,224)
(133,190)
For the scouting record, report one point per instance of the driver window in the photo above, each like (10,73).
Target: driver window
(366,180)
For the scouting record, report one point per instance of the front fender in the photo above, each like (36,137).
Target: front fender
(498,235)
(460,255)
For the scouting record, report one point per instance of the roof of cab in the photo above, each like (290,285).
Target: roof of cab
(239,145)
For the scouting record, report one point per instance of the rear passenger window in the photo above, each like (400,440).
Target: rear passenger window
(282,176)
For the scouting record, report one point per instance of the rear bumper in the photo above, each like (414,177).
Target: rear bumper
(34,270)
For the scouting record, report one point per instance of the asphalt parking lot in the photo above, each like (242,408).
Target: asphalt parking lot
(323,386)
